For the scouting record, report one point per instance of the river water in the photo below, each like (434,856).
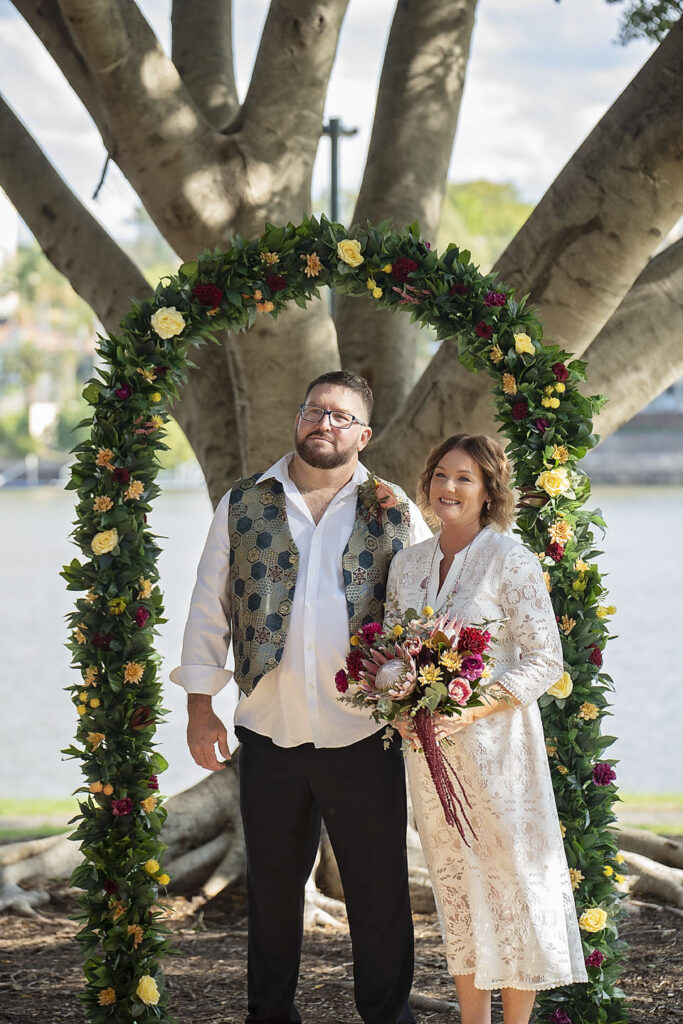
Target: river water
(643,556)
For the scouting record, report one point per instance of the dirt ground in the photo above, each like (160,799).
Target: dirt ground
(40,969)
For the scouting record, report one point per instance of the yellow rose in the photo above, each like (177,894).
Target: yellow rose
(164,879)
(523,343)
(593,920)
(103,543)
(348,251)
(168,321)
(151,866)
(563,687)
(554,481)
(147,991)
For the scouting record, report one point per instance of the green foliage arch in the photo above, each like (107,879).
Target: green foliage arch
(548,425)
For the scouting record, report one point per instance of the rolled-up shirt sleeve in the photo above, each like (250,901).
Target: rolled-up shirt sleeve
(207,635)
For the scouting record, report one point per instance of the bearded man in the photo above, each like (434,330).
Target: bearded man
(295,561)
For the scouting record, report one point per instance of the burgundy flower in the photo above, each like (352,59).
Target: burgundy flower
(141,616)
(161,371)
(141,717)
(121,476)
(483,330)
(541,425)
(595,959)
(595,656)
(495,299)
(152,782)
(370,631)
(102,641)
(124,392)
(110,887)
(341,681)
(472,667)
(276,282)
(208,294)
(121,807)
(459,288)
(474,640)
(402,268)
(520,410)
(354,663)
(560,1017)
(603,774)
(555,551)
(560,370)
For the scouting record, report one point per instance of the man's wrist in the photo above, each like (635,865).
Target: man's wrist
(199,702)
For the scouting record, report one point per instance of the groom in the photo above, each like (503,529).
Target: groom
(294,562)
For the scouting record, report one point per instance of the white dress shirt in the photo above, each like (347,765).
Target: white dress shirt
(297,702)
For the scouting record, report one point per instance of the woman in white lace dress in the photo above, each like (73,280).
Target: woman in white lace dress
(505,903)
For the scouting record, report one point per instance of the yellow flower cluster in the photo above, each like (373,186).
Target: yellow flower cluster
(508,384)
(562,769)
(149,375)
(373,287)
(560,453)
(149,804)
(107,997)
(313,265)
(102,503)
(550,748)
(550,403)
(145,590)
(603,611)
(104,458)
(94,739)
(560,531)
(79,635)
(589,712)
(134,490)
(269,258)
(576,877)
(136,931)
(496,354)
(581,566)
(567,624)
(90,676)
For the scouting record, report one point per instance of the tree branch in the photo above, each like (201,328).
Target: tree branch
(638,353)
(282,114)
(68,234)
(609,209)
(47,21)
(405,175)
(202,52)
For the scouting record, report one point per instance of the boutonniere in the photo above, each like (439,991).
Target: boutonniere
(376,496)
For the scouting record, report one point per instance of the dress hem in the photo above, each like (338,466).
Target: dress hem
(543,986)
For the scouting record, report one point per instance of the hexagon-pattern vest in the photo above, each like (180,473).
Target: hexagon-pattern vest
(264,563)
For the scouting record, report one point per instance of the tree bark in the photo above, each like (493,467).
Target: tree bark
(418,103)
(74,242)
(638,353)
(202,52)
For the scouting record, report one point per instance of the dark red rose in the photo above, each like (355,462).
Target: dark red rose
(161,371)
(276,282)
(341,681)
(560,1017)
(354,663)
(208,294)
(595,655)
(121,476)
(141,616)
(102,640)
(603,774)
(473,640)
(152,782)
(495,299)
(459,288)
(561,372)
(541,425)
(595,959)
(121,807)
(483,330)
(520,410)
(110,887)
(124,392)
(141,717)
(402,268)
(555,551)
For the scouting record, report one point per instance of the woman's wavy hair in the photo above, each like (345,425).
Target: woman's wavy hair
(495,468)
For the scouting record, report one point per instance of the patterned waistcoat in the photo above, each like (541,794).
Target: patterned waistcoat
(264,562)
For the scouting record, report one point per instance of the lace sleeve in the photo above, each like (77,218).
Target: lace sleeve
(531,620)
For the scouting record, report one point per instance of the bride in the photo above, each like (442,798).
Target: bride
(505,904)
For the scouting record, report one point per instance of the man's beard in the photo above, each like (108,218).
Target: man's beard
(330,459)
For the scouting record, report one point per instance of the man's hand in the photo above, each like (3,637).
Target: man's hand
(204,730)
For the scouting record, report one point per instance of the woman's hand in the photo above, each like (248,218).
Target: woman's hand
(406,728)
(446,726)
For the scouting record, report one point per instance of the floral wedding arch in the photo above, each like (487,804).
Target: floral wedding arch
(548,424)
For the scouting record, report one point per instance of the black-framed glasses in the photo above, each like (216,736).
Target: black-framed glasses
(338,419)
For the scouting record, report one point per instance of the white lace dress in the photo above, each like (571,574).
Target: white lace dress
(505,904)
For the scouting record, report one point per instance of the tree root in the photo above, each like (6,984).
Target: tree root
(649,844)
(416,999)
(22,901)
(647,876)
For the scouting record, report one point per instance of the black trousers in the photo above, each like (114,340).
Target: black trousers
(359,791)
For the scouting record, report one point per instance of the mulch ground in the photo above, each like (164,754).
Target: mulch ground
(40,969)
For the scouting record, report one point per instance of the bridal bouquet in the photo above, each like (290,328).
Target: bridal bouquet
(412,671)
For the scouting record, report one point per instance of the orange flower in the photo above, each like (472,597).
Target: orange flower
(134,490)
(509,384)
(269,258)
(94,739)
(136,931)
(264,307)
(313,265)
(133,672)
(102,503)
(104,457)
(107,997)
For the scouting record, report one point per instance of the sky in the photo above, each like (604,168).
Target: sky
(540,76)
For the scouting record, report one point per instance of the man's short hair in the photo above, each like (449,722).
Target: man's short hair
(346,379)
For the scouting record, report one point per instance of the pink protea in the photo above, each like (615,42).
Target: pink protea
(449,627)
(393,653)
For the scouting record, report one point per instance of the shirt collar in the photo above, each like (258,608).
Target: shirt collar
(280,471)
